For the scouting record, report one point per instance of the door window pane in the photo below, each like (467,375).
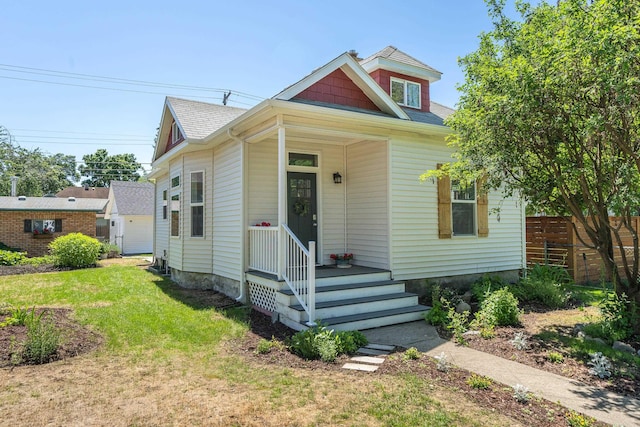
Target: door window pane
(301,159)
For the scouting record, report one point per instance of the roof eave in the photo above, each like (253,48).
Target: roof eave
(398,67)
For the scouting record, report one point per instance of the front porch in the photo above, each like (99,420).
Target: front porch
(356,298)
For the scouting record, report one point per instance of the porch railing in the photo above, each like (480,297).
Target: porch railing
(263,249)
(300,271)
(298,267)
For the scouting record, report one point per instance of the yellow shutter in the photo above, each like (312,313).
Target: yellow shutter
(483,209)
(444,207)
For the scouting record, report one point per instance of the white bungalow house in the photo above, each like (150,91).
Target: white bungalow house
(254,202)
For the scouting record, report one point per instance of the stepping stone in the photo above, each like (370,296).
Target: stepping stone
(381,347)
(368,359)
(372,352)
(359,367)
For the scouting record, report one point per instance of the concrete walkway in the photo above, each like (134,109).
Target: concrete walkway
(597,403)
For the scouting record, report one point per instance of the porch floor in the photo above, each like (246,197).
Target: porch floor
(324,271)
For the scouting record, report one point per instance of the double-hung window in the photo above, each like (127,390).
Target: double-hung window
(463,209)
(405,92)
(175,206)
(176,135)
(197,204)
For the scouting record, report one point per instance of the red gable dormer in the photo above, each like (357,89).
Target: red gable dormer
(401,77)
(384,77)
(337,88)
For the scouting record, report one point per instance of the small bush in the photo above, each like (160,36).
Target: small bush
(555,357)
(619,315)
(437,315)
(43,338)
(264,346)
(479,382)
(325,345)
(484,323)
(458,324)
(319,342)
(412,354)
(349,342)
(75,250)
(501,308)
(11,257)
(483,287)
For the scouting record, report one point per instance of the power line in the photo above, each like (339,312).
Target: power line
(149,144)
(92,77)
(79,137)
(76,132)
(115,80)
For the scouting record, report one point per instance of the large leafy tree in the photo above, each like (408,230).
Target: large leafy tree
(100,168)
(38,173)
(550,109)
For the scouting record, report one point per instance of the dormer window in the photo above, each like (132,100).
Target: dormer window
(405,92)
(176,135)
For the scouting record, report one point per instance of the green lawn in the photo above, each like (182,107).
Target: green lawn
(167,357)
(135,310)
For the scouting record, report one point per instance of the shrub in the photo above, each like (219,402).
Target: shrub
(479,382)
(412,354)
(484,323)
(43,338)
(264,346)
(437,315)
(349,342)
(555,357)
(325,345)
(75,250)
(11,257)
(319,342)
(483,287)
(619,314)
(501,308)
(442,363)
(458,324)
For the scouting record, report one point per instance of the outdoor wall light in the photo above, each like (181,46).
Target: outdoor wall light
(337,178)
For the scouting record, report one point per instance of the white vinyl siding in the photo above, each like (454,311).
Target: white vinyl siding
(367,204)
(161,244)
(417,252)
(227,219)
(263,183)
(198,250)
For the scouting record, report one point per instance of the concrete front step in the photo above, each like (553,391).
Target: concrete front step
(348,291)
(354,306)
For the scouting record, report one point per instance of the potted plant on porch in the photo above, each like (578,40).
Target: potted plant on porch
(342,260)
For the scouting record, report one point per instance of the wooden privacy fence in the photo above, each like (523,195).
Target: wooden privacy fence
(553,240)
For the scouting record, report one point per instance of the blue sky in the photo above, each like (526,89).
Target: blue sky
(254,47)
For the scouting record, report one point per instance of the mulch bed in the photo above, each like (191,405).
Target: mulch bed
(6,270)
(76,339)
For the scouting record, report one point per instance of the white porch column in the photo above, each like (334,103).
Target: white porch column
(282,197)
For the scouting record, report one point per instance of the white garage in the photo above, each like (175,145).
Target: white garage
(130,215)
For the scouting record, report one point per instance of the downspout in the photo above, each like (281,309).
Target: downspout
(243,213)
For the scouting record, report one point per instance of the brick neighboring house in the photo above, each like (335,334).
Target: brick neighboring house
(87,192)
(31,223)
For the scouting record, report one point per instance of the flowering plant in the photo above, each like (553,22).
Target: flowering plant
(263,224)
(43,231)
(341,257)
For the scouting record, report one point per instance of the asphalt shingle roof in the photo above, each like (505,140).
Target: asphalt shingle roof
(200,119)
(51,204)
(133,198)
(84,192)
(394,54)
